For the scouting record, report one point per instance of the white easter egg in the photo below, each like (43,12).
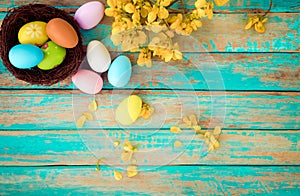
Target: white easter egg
(98,56)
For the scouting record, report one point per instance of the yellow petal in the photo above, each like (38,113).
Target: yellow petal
(88,115)
(116,143)
(193,119)
(129,8)
(175,129)
(80,122)
(117,175)
(264,20)
(126,156)
(144,12)
(217,131)
(198,23)
(249,24)
(112,3)
(178,144)
(221,2)
(109,12)
(259,27)
(163,13)
(165,2)
(132,171)
(93,106)
(200,3)
(151,16)
(168,56)
(177,55)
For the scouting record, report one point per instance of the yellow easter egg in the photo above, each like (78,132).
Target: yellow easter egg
(129,110)
(33,33)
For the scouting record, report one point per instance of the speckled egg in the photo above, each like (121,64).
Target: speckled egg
(62,33)
(33,33)
(24,56)
(119,72)
(89,14)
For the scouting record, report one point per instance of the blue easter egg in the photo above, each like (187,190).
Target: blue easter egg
(25,56)
(119,72)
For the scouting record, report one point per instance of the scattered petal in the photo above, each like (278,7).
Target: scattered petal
(221,2)
(175,129)
(132,171)
(118,175)
(116,143)
(80,122)
(93,106)
(178,144)
(88,115)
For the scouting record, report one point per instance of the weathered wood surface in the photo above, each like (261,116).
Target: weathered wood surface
(174,180)
(72,147)
(54,109)
(239,71)
(219,35)
(232,6)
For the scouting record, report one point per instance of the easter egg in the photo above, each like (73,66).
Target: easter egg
(24,56)
(53,55)
(62,33)
(33,33)
(88,81)
(89,14)
(129,110)
(119,72)
(98,56)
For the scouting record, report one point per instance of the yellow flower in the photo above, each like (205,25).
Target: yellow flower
(177,22)
(159,11)
(145,58)
(258,23)
(200,3)
(209,10)
(129,8)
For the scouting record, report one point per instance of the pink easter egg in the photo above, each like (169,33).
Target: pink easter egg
(88,81)
(89,14)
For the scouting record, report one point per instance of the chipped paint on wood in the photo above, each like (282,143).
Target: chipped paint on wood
(168,180)
(71,147)
(54,109)
(252,71)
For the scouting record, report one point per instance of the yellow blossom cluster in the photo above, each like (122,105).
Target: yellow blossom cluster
(257,22)
(157,16)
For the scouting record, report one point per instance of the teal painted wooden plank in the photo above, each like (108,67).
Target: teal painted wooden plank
(169,180)
(232,6)
(37,110)
(263,71)
(71,147)
(226,34)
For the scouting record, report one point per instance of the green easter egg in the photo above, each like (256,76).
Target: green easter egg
(53,55)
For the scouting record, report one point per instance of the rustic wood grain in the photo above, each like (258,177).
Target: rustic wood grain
(232,6)
(238,71)
(54,109)
(72,147)
(174,180)
(219,35)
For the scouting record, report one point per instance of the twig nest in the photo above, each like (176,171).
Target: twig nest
(17,18)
